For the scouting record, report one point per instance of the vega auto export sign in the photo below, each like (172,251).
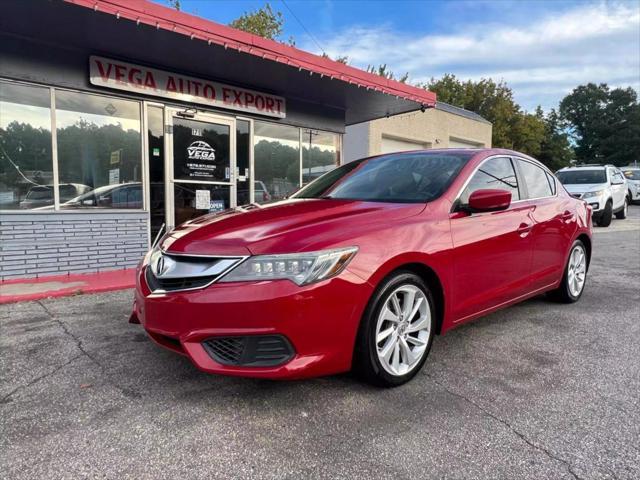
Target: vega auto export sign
(109,73)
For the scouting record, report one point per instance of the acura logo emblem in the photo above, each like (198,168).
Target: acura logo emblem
(163,265)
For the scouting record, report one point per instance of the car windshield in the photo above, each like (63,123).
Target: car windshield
(400,177)
(632,174)
(574,177)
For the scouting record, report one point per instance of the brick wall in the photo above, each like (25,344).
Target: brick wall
(35,245)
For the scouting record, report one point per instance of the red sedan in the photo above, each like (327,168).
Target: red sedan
(362,267)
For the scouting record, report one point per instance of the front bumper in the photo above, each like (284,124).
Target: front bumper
(320,321)
(597,204)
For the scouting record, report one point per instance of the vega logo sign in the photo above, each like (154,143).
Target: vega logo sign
(200,150)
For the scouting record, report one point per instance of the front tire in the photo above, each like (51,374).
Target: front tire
(575,275)
(396,332)
(607,215)
(622,214)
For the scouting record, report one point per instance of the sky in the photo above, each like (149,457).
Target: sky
(541,48)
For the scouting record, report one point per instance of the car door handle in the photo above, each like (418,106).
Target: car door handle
(524,229)
(567,215)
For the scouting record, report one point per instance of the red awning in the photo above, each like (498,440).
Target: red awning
(161,17)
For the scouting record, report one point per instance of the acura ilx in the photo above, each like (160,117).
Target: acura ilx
(362,267)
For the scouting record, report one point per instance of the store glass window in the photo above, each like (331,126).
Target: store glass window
(155,141)
(243,149)
(320,153)
(99,151)
(26,171)
(277,161)
(188,206)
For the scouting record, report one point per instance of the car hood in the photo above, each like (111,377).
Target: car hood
(284,227)
(584,187)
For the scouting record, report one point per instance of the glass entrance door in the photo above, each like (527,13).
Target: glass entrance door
(201,166)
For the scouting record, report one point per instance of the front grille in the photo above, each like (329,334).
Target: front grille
(185,272)
(173,284)
(254,350)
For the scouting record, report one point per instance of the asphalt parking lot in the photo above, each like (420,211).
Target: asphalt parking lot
(539,390)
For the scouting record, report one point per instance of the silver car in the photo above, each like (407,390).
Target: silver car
(632,174)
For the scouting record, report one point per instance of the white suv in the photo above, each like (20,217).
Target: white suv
(632,174)
(602,187)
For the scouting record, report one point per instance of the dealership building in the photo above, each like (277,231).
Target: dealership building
(118,117)
(444,126)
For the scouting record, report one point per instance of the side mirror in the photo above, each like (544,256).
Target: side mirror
(489,200)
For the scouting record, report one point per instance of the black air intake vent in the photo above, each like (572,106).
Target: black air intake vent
(250,351)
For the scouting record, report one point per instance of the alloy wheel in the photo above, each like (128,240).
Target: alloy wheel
(577,270)
(403,329)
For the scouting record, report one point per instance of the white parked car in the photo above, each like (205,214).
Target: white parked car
(632,174)
(604,187)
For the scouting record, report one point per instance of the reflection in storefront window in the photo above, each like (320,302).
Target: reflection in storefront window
(99,156)
(26,172)
(243,149)
(155,145)
(193,200)
(277,161)
(320,153)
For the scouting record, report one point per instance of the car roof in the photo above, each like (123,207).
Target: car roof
(479,151)
(590,167)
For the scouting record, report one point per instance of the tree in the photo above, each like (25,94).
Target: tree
(340,59)
(555,149)
(263,22)
(604,123)
(383,72)
(449,90)
(175,4)
(512,127)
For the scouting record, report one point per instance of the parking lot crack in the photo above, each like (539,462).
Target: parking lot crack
(520,435)
(127,392)
(70,334)
(32,382)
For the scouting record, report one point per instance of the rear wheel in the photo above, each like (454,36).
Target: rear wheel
(396,332)
(622,214)
(607,215)
(575,275)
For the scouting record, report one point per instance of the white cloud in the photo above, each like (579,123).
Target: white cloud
(549,56)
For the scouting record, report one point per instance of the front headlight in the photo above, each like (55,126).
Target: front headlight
(597,193)
(300,268)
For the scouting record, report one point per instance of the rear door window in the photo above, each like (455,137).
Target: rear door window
(536,180)
(495,173)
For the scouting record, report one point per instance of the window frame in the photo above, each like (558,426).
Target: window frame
(522,180)
(54,148)
(54,155)
(456,205)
